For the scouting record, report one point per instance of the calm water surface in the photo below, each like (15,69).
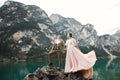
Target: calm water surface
(104,69)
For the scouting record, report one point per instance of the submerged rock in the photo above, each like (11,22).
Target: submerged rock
(53,73)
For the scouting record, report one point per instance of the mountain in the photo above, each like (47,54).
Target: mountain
(110,43)
(28,30)
(117,34)
(22,28)
(84,34)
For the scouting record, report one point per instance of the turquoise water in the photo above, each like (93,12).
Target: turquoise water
(104,69)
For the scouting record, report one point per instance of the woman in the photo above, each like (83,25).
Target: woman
(76,60)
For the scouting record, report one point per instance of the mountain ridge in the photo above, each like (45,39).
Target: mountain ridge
(27,29)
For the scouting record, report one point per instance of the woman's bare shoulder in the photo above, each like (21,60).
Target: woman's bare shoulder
(73,39)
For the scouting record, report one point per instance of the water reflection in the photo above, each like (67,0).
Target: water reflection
(107,69)
(109,62)
(17,71)
(104,69)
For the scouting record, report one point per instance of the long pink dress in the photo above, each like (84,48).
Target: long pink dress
(76,60)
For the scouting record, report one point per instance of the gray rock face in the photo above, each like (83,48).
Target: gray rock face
(109,42)
(117,34)
(22,28)
(12,12)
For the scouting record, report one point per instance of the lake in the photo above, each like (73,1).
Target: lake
(104,69)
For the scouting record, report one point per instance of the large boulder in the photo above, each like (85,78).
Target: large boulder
(53,73)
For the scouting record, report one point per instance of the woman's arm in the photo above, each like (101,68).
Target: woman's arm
(75,43)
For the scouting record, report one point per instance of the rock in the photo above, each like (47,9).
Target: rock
(50,73)
(53,73)
(117,34)
(31,76)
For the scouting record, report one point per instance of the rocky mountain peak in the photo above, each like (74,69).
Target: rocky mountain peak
(17,12)
(58,18)
(89,30)
(117,34)
(22,28)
